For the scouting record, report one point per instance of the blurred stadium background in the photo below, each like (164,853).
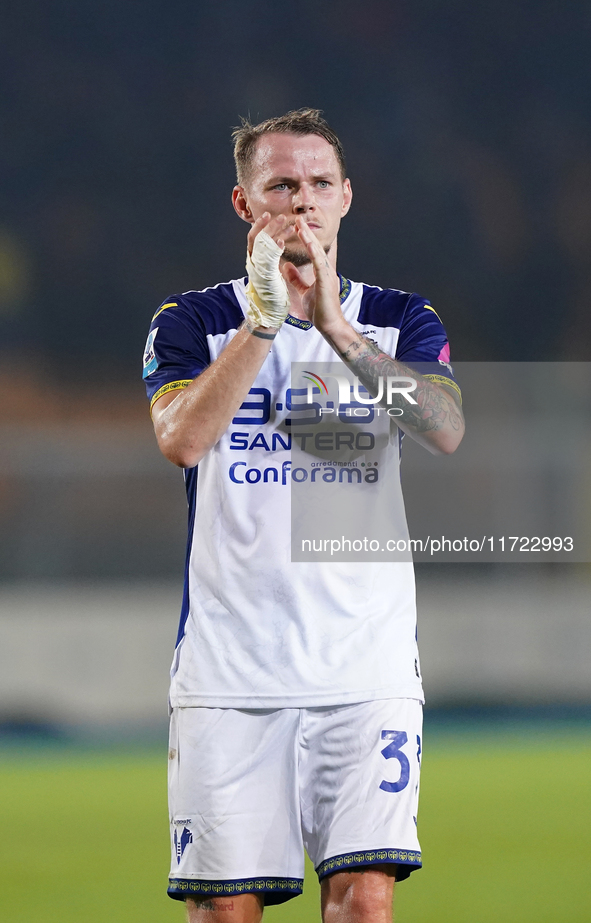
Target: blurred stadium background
(469,146)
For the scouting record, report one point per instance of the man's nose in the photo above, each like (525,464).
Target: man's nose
(303,200)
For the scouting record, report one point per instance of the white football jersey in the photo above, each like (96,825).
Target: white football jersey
(259,629)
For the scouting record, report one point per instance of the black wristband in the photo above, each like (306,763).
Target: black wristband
(263,336)
(251,327)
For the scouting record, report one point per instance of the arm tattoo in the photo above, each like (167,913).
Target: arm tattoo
(435,405)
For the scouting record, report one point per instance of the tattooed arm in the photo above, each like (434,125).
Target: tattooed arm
(436,420)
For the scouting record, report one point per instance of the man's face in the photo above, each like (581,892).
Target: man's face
(295,175)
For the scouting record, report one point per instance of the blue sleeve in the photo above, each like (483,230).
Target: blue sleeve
(176,349)
(423,343)
(422,335)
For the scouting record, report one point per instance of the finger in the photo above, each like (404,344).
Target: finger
(315,250)
(277,228)
(327,279)
(259,225)
(271,226)
(308,238)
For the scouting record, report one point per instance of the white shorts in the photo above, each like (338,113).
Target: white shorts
(249,789)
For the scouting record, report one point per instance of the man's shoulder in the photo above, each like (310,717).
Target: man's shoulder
(216,308)
(389,307)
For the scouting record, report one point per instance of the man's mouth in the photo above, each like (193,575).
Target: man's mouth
(313,225)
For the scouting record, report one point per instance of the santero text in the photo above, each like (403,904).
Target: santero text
(323,441)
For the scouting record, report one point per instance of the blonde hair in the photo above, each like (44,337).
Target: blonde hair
(296,122)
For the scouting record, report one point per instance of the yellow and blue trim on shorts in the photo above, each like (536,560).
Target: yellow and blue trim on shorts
(272,890)
(407,861)
(279,890)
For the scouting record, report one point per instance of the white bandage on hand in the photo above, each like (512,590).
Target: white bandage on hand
(268,298)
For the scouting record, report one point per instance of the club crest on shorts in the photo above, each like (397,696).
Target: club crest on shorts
(181,841)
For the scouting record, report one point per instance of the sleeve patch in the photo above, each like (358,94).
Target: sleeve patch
(150,360)
(171,386)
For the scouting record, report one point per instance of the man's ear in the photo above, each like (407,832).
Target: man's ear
(347,197)
(240,203)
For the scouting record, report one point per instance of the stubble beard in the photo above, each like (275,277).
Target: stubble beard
(298,257)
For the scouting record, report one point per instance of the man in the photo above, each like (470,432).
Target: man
(296,693)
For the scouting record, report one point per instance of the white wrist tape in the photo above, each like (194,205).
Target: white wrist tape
(268,298)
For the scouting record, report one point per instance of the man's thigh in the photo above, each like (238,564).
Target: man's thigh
(359,779)
(234,804)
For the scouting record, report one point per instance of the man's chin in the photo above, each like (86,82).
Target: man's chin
(298,257)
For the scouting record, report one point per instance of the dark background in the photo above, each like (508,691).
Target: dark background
(465,125)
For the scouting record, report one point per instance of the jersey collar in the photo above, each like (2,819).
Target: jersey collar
(344,293)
